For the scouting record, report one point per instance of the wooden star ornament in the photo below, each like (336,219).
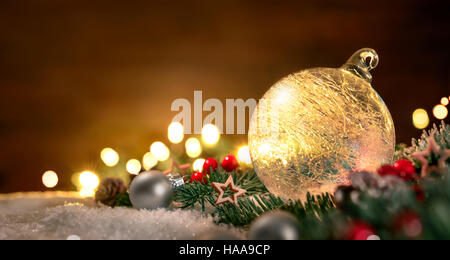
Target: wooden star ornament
(221,187)
(432,148)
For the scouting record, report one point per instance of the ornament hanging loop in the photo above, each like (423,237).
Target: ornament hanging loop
(361,62)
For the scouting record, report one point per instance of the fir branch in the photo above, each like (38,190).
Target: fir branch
(252,207)
(249,209)
(441,135)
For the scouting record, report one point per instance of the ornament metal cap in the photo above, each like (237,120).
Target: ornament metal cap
(361,62)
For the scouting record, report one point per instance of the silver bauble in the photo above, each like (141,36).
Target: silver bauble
(276,225)
(314,127)
(151,190)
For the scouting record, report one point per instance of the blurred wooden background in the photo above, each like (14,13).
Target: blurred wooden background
(76,76)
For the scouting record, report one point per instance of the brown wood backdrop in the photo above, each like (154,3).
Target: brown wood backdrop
(76,76)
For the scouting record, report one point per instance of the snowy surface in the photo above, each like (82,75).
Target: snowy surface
(64,215)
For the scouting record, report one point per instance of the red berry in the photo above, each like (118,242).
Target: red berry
(387,170)
(209,163)
(405,169)
(230,163)
(199,177)
(360,231)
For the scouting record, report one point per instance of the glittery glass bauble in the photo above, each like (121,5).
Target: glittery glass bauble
(151,190)
(315,126)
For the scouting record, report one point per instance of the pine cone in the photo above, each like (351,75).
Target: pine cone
(108,190)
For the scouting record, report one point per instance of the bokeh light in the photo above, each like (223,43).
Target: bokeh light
(50,179)
(210,134)
(244,155)
(133,166)
(109,157)
(440,112)
(160,151)
(175,132)
(444,101)
(193,147)
(84,192)
(89,182)
(198,165)
(420,118)
(73,237)
(149,161)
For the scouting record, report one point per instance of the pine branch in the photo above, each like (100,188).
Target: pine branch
(314,205)
(249,209)
(441,135)
(252,207)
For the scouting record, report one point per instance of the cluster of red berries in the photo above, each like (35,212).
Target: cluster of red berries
(403,169)
(407,222)
(229,164)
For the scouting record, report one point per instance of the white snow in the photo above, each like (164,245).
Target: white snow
(64,215)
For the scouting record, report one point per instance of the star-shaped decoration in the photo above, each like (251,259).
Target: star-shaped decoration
(174,165)
(432,148)
(221,187)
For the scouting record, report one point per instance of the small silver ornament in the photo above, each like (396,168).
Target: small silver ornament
(275,226)
(151,190)
(176,180)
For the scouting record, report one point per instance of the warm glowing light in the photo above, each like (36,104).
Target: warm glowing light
(210,134)
(109,157)
(420,118)
(88,180)
(264,149)
(175,132)
(133,166)
(193,147)
(282,96)
(444,101)
(440,112)
(149,161)
(50,179)
(85,192)
(244,155)
(73,237)
(198,165)
(160,151)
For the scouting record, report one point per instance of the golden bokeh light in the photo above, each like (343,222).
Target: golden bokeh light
(198,165)
(149,161)
(175,132)
(193,147)
(444,101)
(88,180)
(85,192)
(133,166)
(160,151)
(210,134)
(109,157)
(420,118)
(440,112)
(50,179)
(244,155)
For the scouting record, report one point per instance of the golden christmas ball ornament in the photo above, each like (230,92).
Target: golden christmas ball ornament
(313,127)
